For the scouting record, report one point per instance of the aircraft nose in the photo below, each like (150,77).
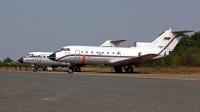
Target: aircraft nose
(52,56)
(20,60)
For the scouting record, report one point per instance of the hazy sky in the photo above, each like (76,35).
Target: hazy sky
(48,25)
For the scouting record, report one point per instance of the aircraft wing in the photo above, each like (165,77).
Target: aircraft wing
(15,63)
(112,43)
(135,60)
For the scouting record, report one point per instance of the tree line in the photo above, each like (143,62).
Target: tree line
(5,62)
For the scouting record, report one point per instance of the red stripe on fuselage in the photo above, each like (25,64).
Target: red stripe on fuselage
(83,60)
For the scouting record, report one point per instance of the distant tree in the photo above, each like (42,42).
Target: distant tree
(1,63)
(6,61)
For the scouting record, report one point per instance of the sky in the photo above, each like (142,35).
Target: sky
(48,25)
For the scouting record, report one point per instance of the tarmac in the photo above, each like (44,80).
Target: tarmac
(97,92)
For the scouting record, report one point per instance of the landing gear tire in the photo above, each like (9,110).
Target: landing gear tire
(129,69)
(77,69)
(53,69)
(118,69)
(20,68)
(70,70)
(26,69)
(44,69)
(35,69)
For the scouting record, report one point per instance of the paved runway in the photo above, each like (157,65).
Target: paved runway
(61,92)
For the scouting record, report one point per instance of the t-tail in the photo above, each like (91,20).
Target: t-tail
(165,43)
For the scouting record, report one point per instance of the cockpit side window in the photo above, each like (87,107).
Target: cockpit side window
(67,49)
(62,49)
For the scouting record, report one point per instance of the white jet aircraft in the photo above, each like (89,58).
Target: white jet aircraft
(40,59)
(120,56)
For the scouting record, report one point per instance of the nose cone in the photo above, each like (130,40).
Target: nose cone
(52,56)
(20,60)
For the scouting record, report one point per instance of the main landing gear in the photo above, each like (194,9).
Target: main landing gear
(44,68)
(127,68)
(72,69)
(118,69)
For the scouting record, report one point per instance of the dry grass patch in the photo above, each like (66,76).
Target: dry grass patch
(144,70)
(169,70)
(140,70)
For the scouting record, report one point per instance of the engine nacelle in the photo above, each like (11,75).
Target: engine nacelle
(143,44)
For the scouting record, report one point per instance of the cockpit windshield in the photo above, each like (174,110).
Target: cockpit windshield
(65,49)
(62,49)
(29,55)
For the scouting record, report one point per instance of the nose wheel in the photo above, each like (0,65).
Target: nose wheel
(35,68)
(70,69)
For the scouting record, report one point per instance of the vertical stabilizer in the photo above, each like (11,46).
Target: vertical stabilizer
(168,40)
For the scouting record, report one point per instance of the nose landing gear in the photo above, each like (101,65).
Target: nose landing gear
(35,68)
(70,69)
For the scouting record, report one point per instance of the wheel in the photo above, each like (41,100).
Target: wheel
(43,69)
(118,69)
(77,69)
(70,70)
(129,70)
(34,69)
(53,69)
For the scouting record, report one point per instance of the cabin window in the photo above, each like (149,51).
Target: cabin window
(97,52)
(102,52)
(91,52)
(86,51)
(43,56)
(81,51)
(113,52)
(107,52)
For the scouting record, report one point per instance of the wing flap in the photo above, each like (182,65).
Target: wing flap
(135,60)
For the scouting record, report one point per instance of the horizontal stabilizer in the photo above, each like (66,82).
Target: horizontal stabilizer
(182,32)
(112,43)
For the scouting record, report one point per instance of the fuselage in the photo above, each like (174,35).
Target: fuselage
(39,59)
